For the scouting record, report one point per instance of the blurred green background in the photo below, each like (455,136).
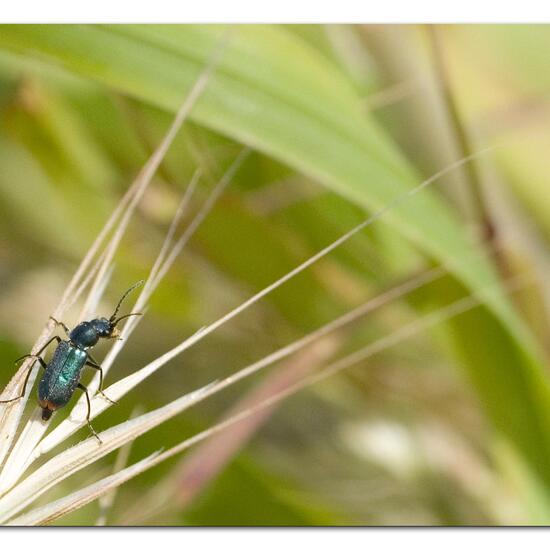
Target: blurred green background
(451,427)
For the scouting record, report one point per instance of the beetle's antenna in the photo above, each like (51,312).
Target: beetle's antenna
(116,321)
(113,320)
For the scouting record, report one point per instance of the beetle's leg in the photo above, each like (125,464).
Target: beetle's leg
(29,370)
(91,362)
(85,390)
(61,324)
(37,357)
(39,352)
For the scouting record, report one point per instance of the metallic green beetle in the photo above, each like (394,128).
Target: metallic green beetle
(62,373)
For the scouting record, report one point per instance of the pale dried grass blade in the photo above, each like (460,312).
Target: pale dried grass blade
(148,287)
(107,500)
(166,258)
(410,330)
(63,506)
(96,292)
(53,510)
(81,455)
(18,457)
(181,210)
(117,390)
(206,462)
(17,460)
(201,466)
(202,213)
(98,404)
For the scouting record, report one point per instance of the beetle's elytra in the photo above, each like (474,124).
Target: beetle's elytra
(62,373)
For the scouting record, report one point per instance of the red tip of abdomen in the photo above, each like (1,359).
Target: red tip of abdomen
(47,408)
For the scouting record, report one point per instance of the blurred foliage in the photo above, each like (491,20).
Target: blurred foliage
(452,427)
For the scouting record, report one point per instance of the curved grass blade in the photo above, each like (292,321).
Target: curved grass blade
(72,502)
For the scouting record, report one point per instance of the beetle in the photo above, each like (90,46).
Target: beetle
(62,373)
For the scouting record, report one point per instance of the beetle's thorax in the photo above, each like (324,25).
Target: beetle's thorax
(86,334)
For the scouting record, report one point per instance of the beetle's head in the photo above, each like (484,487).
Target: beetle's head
(104,328)
(86,334)
(107,328)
